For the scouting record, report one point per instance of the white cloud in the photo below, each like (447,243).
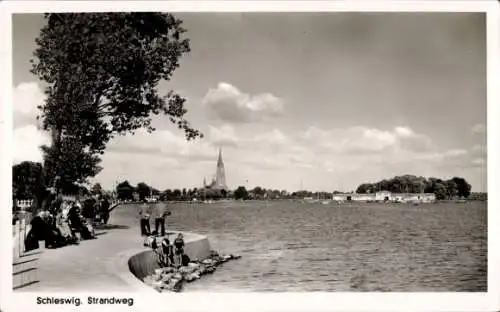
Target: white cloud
(404,132)
(162,142)
(326,159)
(27,138)
(479,129)
(456,153)
(274,139)
(480,150)
(223,136)
(479,161)
(27,141)
(27,96)
(229,104)
(274,157)
(357,140)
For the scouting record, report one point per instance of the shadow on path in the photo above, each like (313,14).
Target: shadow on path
(111,227)
(100,233)
(25,285)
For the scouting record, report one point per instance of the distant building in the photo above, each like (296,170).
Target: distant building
(383,196)
(413,197)
(386,196)
(153,198)
(219,181)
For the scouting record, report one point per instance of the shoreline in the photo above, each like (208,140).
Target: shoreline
(309,201)
(135,264)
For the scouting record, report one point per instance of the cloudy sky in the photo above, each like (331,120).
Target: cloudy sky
(325,100)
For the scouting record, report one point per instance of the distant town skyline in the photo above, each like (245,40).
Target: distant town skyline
(320,101)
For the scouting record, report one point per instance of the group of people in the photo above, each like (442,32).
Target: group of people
(156,211)
(96,209)
(169,254)
(67,221)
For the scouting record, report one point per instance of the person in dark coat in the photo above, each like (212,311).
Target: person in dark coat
(76,221)
(40,230)
(88,211)
(144,215)
(43,228)
(105,210)
(159,213)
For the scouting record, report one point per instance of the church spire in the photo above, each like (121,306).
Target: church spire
(220,177)
(219,160)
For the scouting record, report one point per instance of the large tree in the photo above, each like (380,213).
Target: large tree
(440,191)
(143,190)
(166,195)
(125,191)
(241,193)
(177,194)
(102,71)
(463,188)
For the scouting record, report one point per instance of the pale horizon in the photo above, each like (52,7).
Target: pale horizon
(324,100)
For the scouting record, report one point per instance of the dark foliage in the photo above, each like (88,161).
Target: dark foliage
(28,182)
(444,189)
(241,193)
(102,72)
(143,190)
(125,191)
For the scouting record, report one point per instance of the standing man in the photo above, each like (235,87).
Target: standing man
(88,211)
(105,210)
(144,214)
(159,213)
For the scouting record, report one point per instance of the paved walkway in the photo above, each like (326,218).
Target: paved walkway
(83,267)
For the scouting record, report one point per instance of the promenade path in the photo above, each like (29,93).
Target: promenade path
(89,266)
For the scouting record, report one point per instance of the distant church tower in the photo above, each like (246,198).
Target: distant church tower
(220,177)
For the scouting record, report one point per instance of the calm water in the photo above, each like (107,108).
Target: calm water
(289,246)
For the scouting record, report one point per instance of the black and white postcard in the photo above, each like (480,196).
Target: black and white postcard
(201,156)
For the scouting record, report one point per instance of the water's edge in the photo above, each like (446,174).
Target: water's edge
(133,265)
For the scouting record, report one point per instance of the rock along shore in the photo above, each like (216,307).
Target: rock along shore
(173,279)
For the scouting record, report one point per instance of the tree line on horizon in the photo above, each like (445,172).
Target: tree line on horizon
(29,182)
(455,187)
(126,191)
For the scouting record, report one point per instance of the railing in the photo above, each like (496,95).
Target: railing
(21,229)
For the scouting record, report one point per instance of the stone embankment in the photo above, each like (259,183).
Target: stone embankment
(173,279)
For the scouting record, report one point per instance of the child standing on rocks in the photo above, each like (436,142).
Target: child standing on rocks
(179,249)
(167,252)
